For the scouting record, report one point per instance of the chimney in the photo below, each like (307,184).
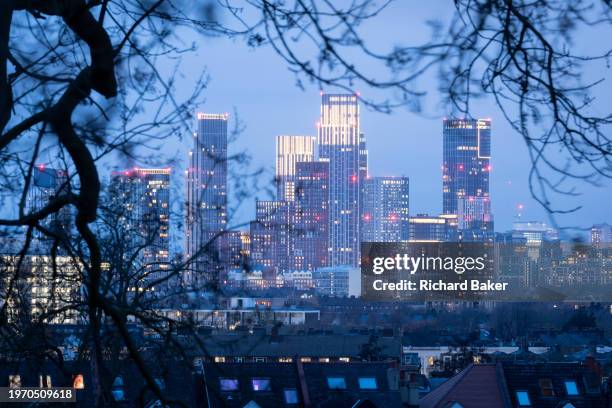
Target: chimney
(591,363)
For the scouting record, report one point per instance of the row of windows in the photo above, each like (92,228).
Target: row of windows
(45,381)
(264,384)
(546,387)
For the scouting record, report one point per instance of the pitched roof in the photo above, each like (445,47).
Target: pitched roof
(467,388)
(489,386)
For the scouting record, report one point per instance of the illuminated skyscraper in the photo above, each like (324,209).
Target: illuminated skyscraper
(271,238)
(310,237)
(207,186)
(141,198)
(339,141)
(465,173)
(385,209)
(289,151)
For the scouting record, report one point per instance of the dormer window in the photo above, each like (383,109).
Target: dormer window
(118,389)
(228,384)
(367,383)
(261,384)
(291,396)
(571,388)
(546,387)
(336,383)
(522,398)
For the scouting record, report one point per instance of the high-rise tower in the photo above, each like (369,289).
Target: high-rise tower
(141,198)
(207,186)
(466,172)
(310,237)
(339,141)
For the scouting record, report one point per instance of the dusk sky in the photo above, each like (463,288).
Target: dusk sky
(257,83)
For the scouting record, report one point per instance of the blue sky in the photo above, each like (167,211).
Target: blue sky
(257,83)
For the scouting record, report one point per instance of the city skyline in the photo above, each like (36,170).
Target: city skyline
(269,89)
(305,146)
(381,205)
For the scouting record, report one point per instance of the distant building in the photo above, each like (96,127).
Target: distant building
(234,250)
(337,281)
(474,215)
(512,261)
(534,232)
(385,209)
(206,206)
(339,142)
(300,280)
(47,184)
(47,288)
(466,172)
(271,237)
(143,198)
(289,151)
(426,228)
(601,234)
(310,216)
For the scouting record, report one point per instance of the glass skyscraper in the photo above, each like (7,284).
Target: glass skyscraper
(310,237)
(289,151)
(271,238)
(206,217)
(142,199)
(339,141)
(385,209)
(466,173)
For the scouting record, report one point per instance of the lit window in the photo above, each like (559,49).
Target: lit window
(344,359)
(522,398)
(261,384)
(117,390)
(228,384)
(44,381)
(77,382)
(14,381)
(571,387)
(367,383)
(336,383)
(291,396)
(546,387)
(219,359)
